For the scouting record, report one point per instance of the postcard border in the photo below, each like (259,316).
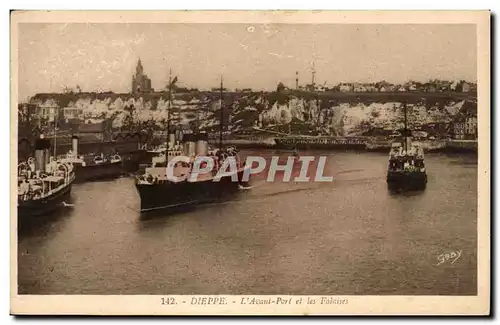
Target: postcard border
(358,305)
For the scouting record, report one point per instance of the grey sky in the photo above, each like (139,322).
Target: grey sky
(104,56)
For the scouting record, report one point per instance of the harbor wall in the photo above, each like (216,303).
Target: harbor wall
(130,151)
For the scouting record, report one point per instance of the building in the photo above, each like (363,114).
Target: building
(345,87)
(465,124)
(72,112)
(89,131)
(466,128)
(26,112)
(430,88)
(140,81)
(359,88)
(465,87)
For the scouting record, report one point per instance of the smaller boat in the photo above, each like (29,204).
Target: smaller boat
(406,168)
(93,167)
(44,184)
(116,158)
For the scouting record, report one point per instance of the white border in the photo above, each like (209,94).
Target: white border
(215,4)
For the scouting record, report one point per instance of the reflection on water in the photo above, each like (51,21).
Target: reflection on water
(351,236)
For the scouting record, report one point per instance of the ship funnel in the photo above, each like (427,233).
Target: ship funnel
(179,135)
(202,144)
(171,140)
(74,145)
(189,145)
(42,147)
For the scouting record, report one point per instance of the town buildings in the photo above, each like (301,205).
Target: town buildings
(465,128)
(465,123)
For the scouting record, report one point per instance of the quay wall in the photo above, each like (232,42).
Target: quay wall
(131,150)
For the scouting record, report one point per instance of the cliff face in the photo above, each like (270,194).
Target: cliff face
(334,113)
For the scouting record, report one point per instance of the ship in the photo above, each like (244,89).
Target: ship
(406,169)
(158,191)
(93,166)
(44,184)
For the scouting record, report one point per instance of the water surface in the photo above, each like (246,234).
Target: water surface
(351,236)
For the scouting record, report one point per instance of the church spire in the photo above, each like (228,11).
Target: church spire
(139,69)
(140,81)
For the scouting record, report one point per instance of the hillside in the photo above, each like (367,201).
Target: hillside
(336,113)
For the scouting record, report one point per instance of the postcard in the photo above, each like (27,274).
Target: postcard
(250,162)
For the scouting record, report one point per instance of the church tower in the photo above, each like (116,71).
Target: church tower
(140,81)
(139,70)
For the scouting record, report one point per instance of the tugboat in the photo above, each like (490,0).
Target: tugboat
(158,191)
(93,167)
(406,168)
(43,182)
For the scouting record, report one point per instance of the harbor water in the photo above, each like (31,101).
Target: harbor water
(347,237)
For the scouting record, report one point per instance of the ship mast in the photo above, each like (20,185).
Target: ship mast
(221,116)
(168,112)
(405,146)
(55,135)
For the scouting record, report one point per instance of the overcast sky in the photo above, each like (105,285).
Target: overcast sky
(104,56)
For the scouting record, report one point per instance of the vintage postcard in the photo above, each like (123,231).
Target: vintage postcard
(250,162)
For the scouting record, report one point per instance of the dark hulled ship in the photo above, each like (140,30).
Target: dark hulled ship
(406,168)
(160,190)
(43,183)
(93,167)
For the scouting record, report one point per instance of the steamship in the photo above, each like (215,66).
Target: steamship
(93,167)
(159,191)
(43,182)
(406,168)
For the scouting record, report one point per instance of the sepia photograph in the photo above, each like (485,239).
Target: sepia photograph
(244,162)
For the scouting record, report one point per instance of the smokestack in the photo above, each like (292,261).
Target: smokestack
(189,140)
(202,144)
(296,80)
(42,147)
(179,135)
(74,145)
(171,140)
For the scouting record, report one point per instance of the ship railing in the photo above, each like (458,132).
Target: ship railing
(41,188)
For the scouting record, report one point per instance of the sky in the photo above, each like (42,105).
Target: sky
(104,56)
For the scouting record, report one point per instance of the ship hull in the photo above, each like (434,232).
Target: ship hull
(407,180)
(133,160)
(44,206)
(172,195)
(105,171)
